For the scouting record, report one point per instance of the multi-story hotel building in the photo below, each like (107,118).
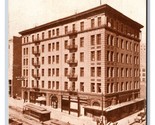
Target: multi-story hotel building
(87,63)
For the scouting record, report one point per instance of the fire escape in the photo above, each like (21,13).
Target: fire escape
(36,64)
(72,62)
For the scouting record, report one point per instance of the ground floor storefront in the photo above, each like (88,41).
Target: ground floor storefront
(82,104)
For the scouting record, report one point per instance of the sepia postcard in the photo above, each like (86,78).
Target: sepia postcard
(77,62)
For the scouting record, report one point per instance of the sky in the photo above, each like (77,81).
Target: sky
(25,14)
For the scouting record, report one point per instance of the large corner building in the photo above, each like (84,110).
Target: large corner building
(87,63)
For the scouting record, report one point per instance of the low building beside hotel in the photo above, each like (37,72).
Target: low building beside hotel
(87,63)
(14,66)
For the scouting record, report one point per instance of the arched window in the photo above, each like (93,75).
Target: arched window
(96,104)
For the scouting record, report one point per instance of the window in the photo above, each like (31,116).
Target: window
(32,83)
(98,87)
(73,27)
(57,85)
(42,72)
(66,86)
(49,84)
(49,34)
(108,40)
(99,21)
(93,56)
(92,87)
(127,72)
(82,57)
(82,42)
(117,57)
(117,87)
(112,56)
(66,29)
(32,71)
(65,58)
(53,72)
(112,72)
(127,45)
(117,42)
(27,51)
(53,46)
(81,72)
(112,40)
(66,44)
(57,46)
(57,31)
(57,72)
(92,39)
(92,23)
(108,55)
(127,86)
(108,88)
(53,32)
(49,47)
(122,43)
(43,48)
(32,61)
(37,36)
(73,86)
(32,38)
(27,39)
(53,59)
(32,49)
(42,84)
(117,72)
(99,55)
(42,60)
(53,84)
(108,72)
(66,72)
(43,35)
(127,59)
(98,39)
(122,72)
(82,86)
(122,58)
(49,72)
(57,59)
(82,26)
(49,59)
(122,86)
(92,71)
(112,87)
(98,71)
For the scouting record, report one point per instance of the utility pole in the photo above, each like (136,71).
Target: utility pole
(100,2)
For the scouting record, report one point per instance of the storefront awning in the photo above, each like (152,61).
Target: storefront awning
(113,107)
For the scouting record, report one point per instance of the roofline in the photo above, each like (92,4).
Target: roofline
(103,8)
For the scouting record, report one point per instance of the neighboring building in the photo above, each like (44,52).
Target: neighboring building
(143,69)
(15,66)
(78,61)
(143,62)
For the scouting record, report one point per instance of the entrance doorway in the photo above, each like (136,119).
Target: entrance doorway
(54,102)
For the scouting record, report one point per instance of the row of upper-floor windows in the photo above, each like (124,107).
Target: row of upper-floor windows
(122,58)
(123,86)
(66,29)
(123,28)
(122,43)
(122,72)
